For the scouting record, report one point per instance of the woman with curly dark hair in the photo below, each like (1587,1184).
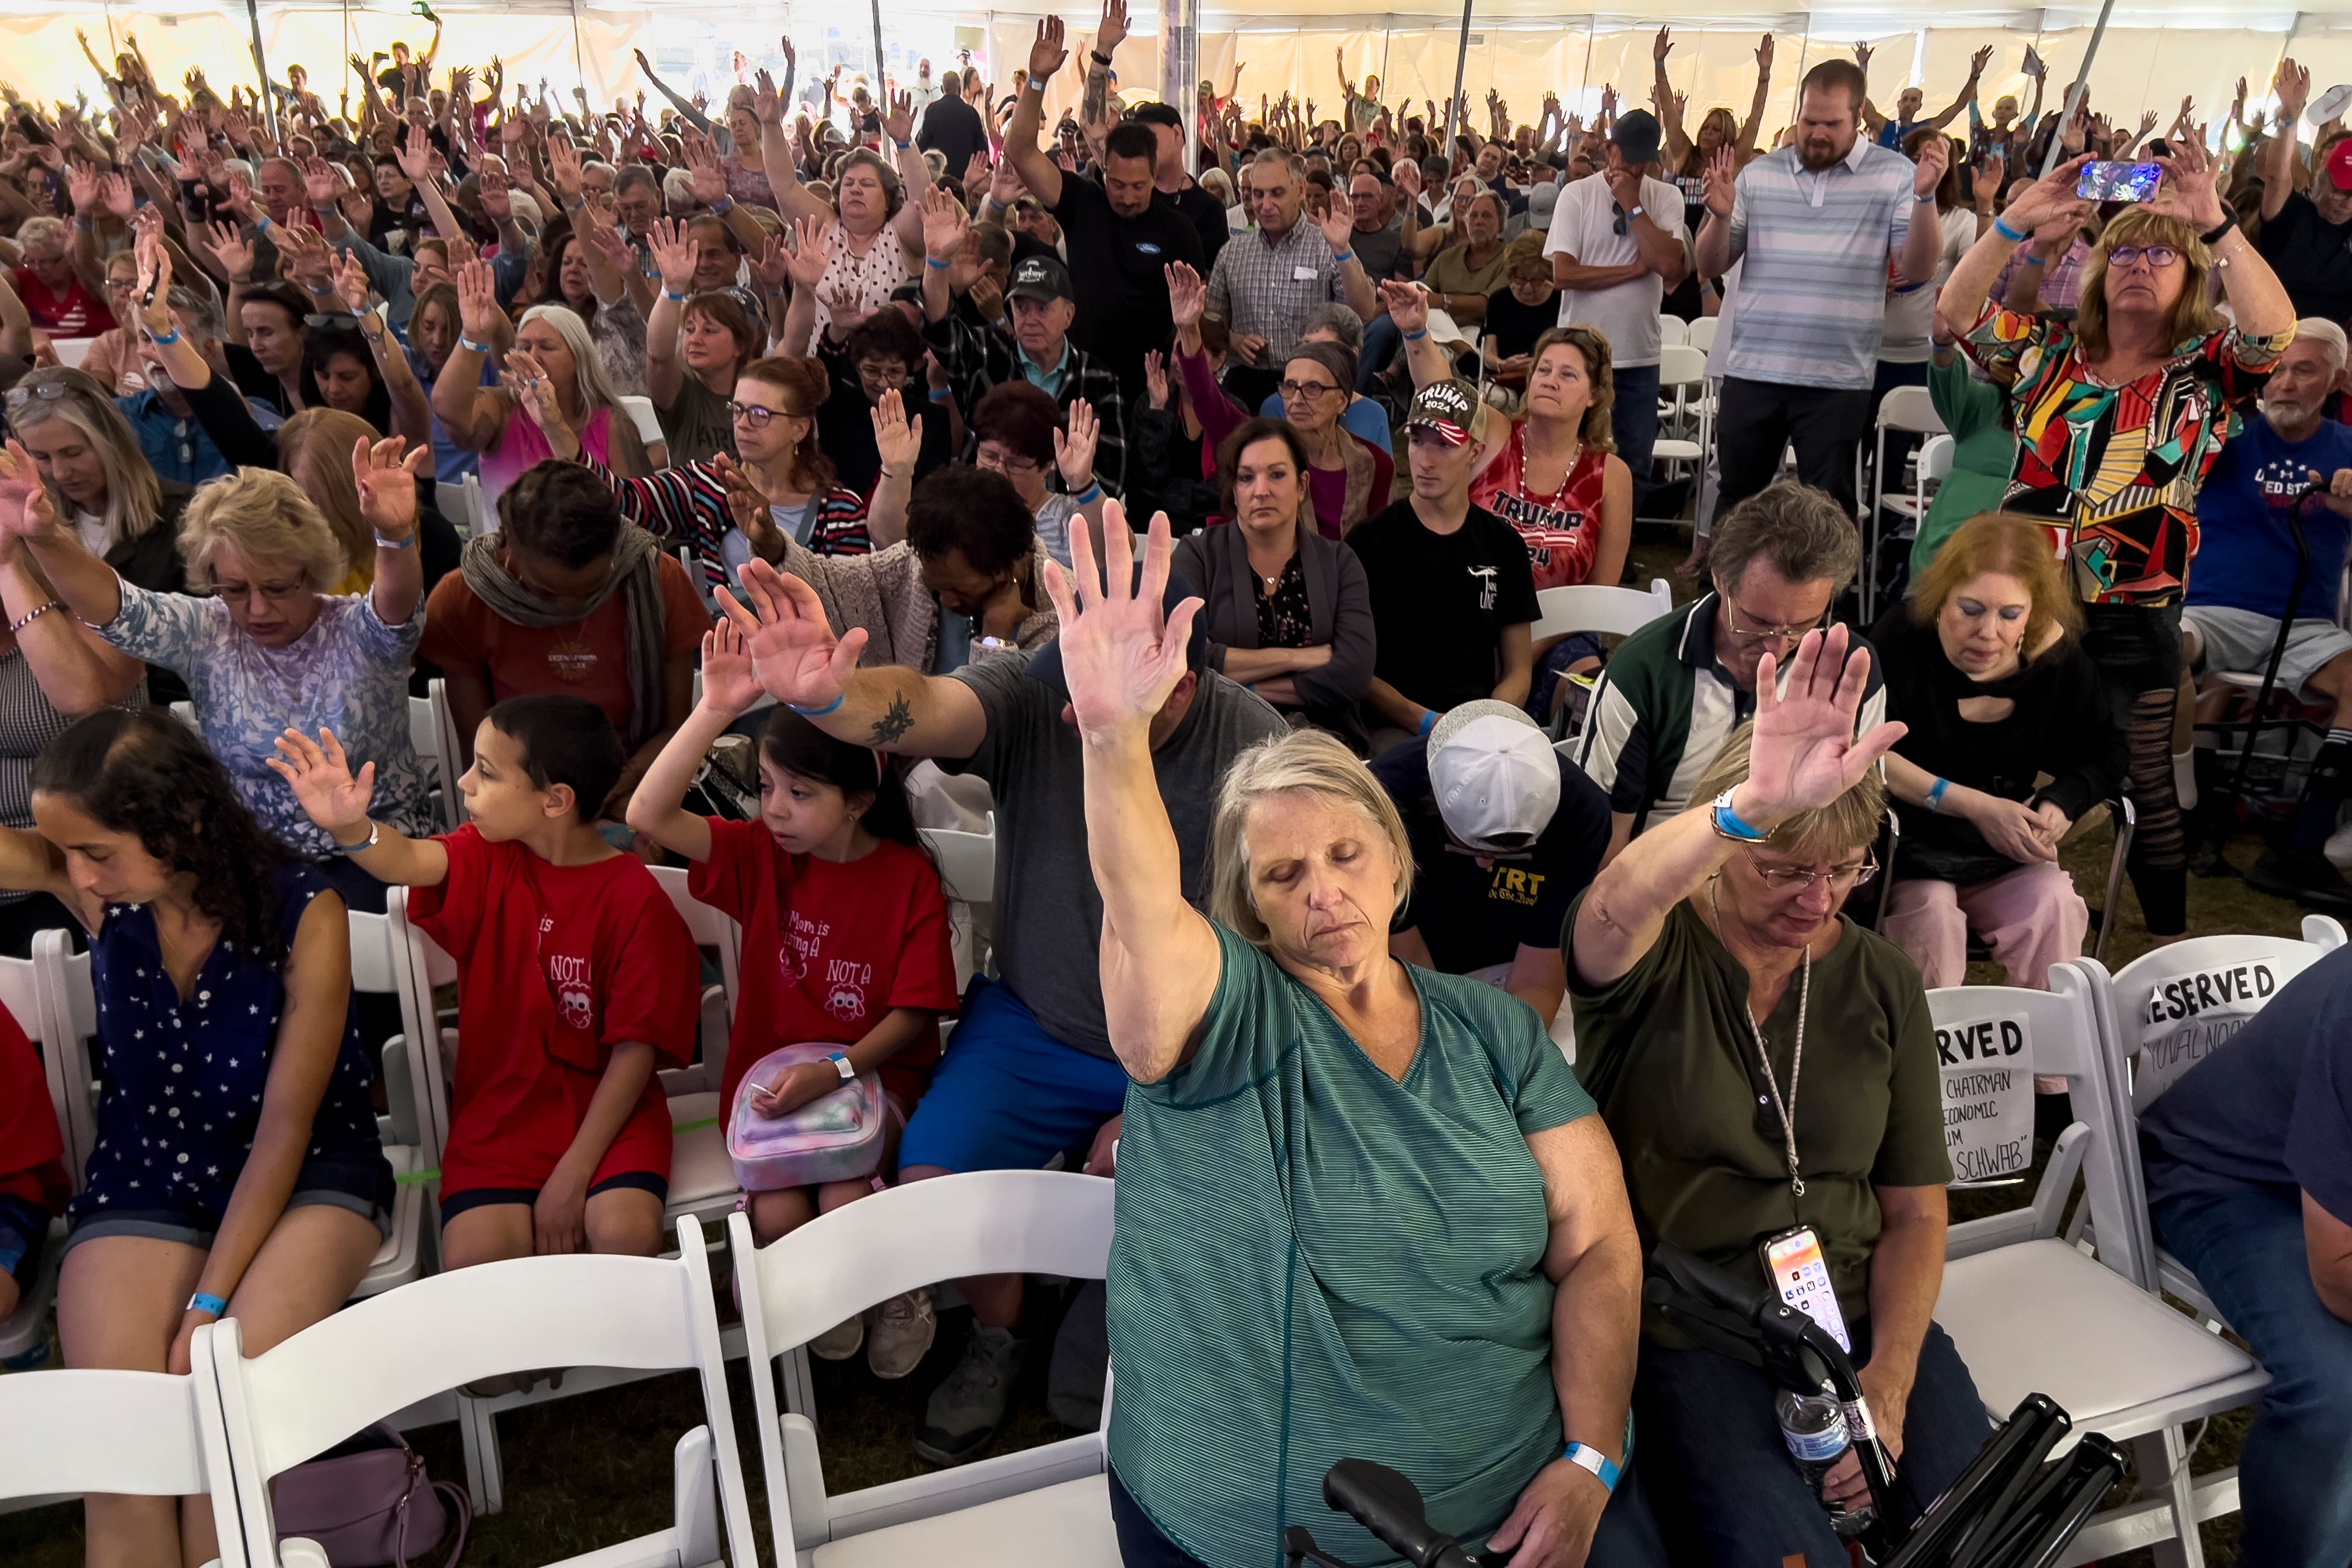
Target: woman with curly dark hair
(238,1169)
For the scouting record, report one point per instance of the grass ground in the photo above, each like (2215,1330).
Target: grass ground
(588,1471)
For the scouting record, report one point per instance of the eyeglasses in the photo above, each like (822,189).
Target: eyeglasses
(1748,636)
(1002,462)
(275,592)
(1797,879)
(331,322)
(754,415)
(24,392)
(1304,389)
(2159,256)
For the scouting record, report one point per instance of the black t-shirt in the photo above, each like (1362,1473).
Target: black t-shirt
(1440,602)
(1207,216)
(1117,265)
(844,424)
(951,128)
(1477,910)
(1518,326)
(2313,259)
(252,380)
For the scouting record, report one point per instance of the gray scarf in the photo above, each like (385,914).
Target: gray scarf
(636,563)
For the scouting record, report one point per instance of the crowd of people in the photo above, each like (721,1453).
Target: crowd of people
(1190,527)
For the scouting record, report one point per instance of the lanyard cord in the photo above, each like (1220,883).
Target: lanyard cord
(1786,1109)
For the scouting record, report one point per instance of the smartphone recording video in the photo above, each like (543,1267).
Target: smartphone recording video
(2119,182)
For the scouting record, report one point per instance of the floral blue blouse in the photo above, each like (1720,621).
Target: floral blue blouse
(348,673)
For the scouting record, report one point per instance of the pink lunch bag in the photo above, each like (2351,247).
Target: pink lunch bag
(832,1138)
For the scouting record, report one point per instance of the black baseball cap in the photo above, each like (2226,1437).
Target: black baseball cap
(1637,136)
(1040,277)
(1045,665)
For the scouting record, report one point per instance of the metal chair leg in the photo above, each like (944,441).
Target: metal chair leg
(2127,822)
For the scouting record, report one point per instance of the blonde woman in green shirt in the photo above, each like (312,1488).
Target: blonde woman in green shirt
(1363,1209)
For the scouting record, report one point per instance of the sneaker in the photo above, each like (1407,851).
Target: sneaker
(966,1410)
(2303,876)
(840,1342)
(904,1326)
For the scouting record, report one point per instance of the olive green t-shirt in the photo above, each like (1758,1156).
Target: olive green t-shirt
(1668,1053)
(1313,1260)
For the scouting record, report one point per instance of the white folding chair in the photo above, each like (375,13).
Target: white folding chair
(2032,1313)
(641,413)
(1702,334)
(71,352)
(967,863)
(136,1434)
(377,962)
(645,1315)
(24,1332)
(1684,416)
(445,745)
(1042,1508)
(1597,607)
(1904,408)
(440,773)
(701,1176)
(1672,330)
(455,505)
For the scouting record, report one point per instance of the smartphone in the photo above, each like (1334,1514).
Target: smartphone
(1793,1258)
(2119,182)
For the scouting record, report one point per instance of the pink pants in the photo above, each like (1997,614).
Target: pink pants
(2031,918)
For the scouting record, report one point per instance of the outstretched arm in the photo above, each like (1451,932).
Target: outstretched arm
(1032,162)
(1951,112)
(657,807)
(320,774)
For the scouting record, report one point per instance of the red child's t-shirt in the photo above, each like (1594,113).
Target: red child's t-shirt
(829,948)
(32,1154)
(556,967)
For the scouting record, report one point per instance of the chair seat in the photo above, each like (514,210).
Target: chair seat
(1064,1526)
(2042,1318)
(1675,451)
(701,1176)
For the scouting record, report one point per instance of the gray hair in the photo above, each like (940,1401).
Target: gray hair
(1336,319)
(197,309)
(595,391)
(1800,532)
(1302,762)
(2328,335)
(1276,157)
(678,193)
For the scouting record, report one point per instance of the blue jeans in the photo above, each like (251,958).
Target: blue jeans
(1382,341)
(2294,1477)
(1007,1096)
(1720,1476)
(1633,423)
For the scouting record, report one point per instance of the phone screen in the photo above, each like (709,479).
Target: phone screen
(1803,1280)
(2119,182)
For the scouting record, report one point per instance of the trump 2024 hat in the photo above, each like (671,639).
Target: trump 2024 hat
(1495,776)
(1452,408)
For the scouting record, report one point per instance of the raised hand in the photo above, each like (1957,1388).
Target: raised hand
(1074,453)
(1861,53)
(2291,86)
(1723,182)
(477,301)
(1111,31)
(1407,305)
(899,440)
(320,777)
(674,253)
(387,484)
(898,122)
(816,252)
(944,225)
(26,509)
(1122,657)
(416,155)
(1188,296)
(729,683)
(797,658)
(1048,52)
(1337,223)
(1764,56)
(114,194)
(232,250)
(2048,199)
(2189,189)
(82,185)
(705,179)
(352,285)
(1662,46)
(1805,754)
(534,390)
(1155,377)
(767,103)
(1988,178)
(1978,61)
(1935,152)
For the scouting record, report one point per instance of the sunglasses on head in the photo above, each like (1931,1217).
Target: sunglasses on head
(24,391)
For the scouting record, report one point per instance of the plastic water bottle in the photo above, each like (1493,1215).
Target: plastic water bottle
(1813,1427)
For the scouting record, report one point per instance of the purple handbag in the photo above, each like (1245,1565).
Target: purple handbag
(368,1503)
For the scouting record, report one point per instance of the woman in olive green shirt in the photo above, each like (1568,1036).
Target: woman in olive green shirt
(1765,1064)
(1363,1209)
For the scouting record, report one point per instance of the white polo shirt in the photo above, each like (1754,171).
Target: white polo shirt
(1584,225)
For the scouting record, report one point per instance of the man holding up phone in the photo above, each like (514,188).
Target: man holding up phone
(2307,239)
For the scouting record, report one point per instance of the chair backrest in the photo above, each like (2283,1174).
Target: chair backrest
(424,736)
(1598,607)
(185,712)
(1909,408)
(709,928)
(2173,1007)
(64,976)
(139,1434)
(358,1367)
(71,351)
(455,504)
(1702,334)
(424,965)
(1672,329)
(641,413)
(967,862)
(452,754)
(1936,460)
(1679,364)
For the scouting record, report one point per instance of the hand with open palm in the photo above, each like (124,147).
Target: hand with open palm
(1806,754)
(799,660)
(26,509)
(1120,655)
(730,686)
(320,777)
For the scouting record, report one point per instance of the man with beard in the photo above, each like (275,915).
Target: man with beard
(1818,226)
(2245,563)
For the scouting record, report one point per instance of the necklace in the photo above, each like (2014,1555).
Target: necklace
(1787,1108)
(1567,472)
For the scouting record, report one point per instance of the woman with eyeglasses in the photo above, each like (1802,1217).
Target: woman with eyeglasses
(112,359)
(1769,1070)
(774,415)
(1348,478)
(1985,668)
(1018,432)
(2119,414)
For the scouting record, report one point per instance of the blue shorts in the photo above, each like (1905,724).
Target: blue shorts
(1007,1096)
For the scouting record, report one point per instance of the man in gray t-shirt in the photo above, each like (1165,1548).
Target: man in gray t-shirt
(1029,1070)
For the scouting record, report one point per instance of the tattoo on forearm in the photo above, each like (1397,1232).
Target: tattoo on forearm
(896,720)
(1097,95)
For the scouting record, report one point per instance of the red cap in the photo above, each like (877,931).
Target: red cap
(2339,164)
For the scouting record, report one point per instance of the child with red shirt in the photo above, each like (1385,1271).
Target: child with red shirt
(560,1132)
(33,1184)
(845,940)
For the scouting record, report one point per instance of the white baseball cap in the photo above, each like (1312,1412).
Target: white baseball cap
(1495,778)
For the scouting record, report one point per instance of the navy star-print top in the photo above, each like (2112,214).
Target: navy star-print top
(184,1081)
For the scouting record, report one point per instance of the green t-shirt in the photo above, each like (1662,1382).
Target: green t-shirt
(1313,1261)
(1668,1053)
(1984,453)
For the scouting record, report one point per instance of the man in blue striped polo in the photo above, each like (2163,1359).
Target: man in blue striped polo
(1819,225)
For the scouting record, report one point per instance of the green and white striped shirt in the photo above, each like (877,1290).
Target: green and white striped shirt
(1313,1261)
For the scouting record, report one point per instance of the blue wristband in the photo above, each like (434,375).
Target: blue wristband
(1726,822)
(164,342)
(466,342)
(1935,794)
(941,393)
(2000,226)
(1338,256)
(818,713)
(673,296)
(200,1303)
(1414,337)
(1428,722)
(1921,200)
(384,543)
(2034,259)
(935,261)
(1086,497)
(723,205)
(1592,1458)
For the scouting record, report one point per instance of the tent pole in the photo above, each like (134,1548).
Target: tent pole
(1180,71)
(2075,94)
(261,69)
(1461,61)
(881,76)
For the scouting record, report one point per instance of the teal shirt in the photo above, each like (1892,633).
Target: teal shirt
(1312,1261)
(1048,381)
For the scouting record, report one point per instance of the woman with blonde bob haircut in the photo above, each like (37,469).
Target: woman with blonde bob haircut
(1984,664)
(88,457)
(1768,1067)
(1348,1188)
(270,647)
